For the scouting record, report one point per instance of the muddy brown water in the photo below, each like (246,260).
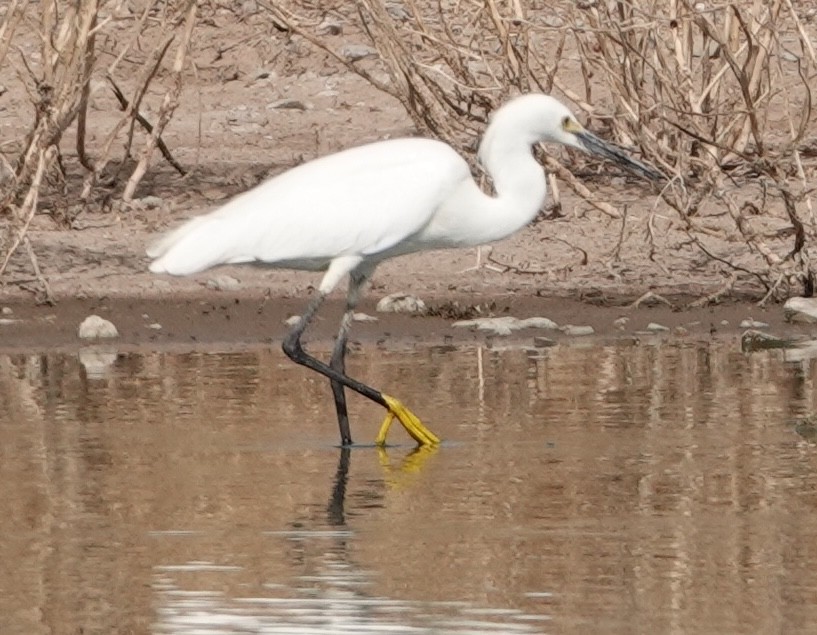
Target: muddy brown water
(657,488)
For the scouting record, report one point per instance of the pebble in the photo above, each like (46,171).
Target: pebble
(538,323)
(292,320)
(656,328)
(330,26)
(223,283)
(363,317)
(155,326)
(149,202)
(621,323)
(355,52)
(507,324)
(497,326)
(95,327)
(801,310)
(6,310)
(751,323)
(402,303)
(287,104)
(571,329)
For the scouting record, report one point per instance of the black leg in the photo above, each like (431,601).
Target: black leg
(395,409)
(294,350)
(338,364)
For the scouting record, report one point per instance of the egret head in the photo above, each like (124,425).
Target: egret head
(541,118)
(577,136)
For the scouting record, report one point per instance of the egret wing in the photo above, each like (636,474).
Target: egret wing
(364,201)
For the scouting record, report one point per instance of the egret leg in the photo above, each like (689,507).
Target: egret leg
(294,350)
(338,364)
(338,361)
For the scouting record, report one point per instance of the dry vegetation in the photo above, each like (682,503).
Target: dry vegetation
(716,94)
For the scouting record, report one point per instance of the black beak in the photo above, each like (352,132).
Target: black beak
(595,145)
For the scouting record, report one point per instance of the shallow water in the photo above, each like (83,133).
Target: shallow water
(602,489)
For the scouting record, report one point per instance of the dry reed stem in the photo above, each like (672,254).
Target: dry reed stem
(692,89)
(58,84)
(169,103)
(28,208)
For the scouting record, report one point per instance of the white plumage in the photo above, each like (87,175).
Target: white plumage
(348,211)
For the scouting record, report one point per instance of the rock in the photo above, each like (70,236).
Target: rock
(577,331)
(95,327)
(621,323)
(287,104)
(657,328)
(753,324)
(6,310)
(801,310)
(292,320)
(5,321)
(402,303)
(330,26)
(538,323)
(355,52)
(155,326)
(223,283)
(261,74)
(507,324)
(149,202)
(363,317)
(248,8)
(497,326)
(398,10)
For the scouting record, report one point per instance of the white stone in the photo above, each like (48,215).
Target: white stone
(355,52)
(401,303)
(571,329)
(95,327)
(223,283)
(621,323)
(801,310)
(538,323)
(655,327)
(497,325)
(751,323)
(505,325)
(363,317)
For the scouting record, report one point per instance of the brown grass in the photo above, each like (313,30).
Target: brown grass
(58,80)
(717,95)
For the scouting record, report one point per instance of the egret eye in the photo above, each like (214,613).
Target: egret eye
(566,123)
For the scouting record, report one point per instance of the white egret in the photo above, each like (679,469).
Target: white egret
(347,212)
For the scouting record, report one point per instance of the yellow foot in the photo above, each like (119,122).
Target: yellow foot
(411,423)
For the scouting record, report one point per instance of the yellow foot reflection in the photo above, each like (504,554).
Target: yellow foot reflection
(412,464)
(411,423)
